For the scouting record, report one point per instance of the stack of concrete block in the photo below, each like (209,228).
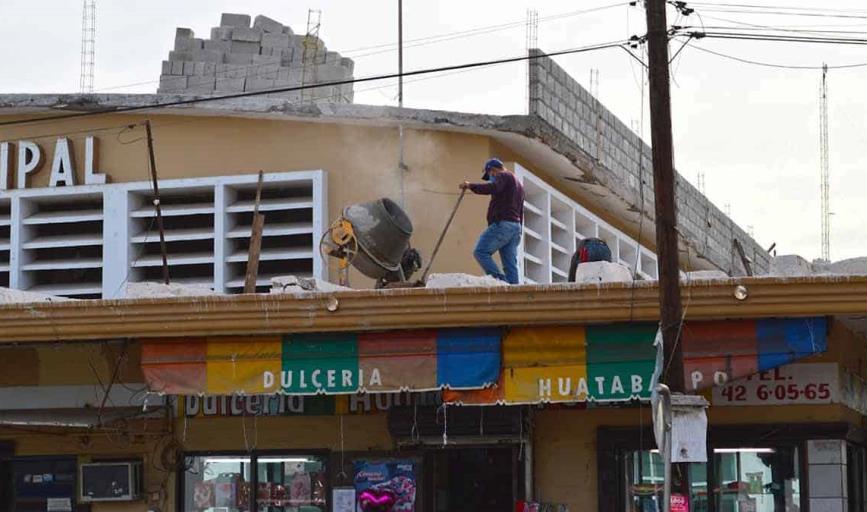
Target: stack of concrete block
(240,57)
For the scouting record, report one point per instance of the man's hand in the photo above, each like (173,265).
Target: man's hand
(465,185)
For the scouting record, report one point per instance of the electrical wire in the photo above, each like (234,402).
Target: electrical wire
(771,64)
(773,37)
(191,101)
(778,7)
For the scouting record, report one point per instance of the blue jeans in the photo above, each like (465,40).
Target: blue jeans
(504,237)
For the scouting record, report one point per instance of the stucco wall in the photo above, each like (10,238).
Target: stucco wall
(361,163)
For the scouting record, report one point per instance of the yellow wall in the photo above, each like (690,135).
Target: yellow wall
(360,161)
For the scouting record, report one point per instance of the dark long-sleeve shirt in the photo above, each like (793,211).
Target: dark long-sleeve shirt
(507,197)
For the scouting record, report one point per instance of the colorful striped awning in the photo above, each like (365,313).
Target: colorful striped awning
(615,362)
(326,363)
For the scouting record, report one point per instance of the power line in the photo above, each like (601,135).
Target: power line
(779,7)
(190,101)
(774,37)
(771,64)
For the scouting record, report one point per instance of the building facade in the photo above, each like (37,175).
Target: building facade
(438,399)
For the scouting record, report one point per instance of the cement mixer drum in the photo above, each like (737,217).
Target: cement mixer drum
(383,230)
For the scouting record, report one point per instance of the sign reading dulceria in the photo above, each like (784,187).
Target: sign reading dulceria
(299,405)
(29,158)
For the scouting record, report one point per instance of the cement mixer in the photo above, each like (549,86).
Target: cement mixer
(374,238)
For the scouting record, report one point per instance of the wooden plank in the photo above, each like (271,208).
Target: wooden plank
(255,241)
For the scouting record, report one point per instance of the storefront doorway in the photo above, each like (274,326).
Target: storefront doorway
(470,479)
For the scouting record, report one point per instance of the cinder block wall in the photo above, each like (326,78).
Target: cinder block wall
(239,57)
(624,165)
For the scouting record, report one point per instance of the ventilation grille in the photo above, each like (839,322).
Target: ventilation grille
(287,238)
(91,241)
(553,227)
(188,223)
(5,239)
(61,245)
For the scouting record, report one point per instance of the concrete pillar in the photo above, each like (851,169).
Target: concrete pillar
(826,473)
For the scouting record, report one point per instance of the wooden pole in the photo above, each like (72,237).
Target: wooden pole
(157,207)
(663,184)
(255,241)
(670,312)
(442,235)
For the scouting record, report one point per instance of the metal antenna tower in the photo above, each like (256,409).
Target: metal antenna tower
(825,164)
(700,184)
(532,41)
(88,45)
(310,57)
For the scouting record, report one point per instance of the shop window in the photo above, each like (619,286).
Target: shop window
(217,484)
(290,483)
(645,473)
(283,483)
(756,479)
(743,480)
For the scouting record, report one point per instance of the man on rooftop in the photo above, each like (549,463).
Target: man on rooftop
(505,216)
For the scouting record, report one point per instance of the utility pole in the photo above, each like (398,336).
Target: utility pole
(663,184)
(670,312)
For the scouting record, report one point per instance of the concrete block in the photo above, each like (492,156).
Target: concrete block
(290,56)
(248,47)
(240,59)
(189,68)
(828,505)
(287,30)
(235,20)
(230,84)
(184,43)
(167,67)
(205,68)
(259,84)
(252,35)
(825,451)
(183,55)
(218,45)
(184,33)
(266,59)
(348,64)
(827,480)
(268,25)
(270,50)
(177,68)
(214,56)
(332,58)
(172,83)
(278,40)
(269,71)
(221,33)
(328,73)
(201,85)
(292,76)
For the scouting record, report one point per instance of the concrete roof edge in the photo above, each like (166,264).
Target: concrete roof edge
(254,107)
(369,310)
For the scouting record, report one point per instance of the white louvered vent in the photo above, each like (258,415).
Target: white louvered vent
(61,244)
(553,227)
(92,240)
(188,221)
(5,239)
(288,236)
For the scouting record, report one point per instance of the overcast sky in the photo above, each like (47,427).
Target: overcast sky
(752,131)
